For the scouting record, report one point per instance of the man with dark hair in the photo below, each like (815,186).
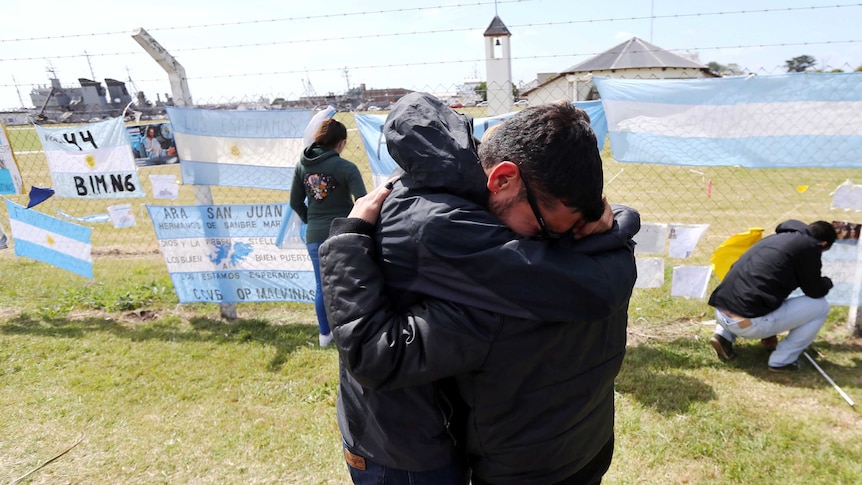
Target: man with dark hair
(752,301)
(489,334)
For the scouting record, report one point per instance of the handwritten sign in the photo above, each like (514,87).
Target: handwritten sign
(228,254)
(91,161)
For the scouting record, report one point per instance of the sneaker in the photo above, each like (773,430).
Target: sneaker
(325,340)
(769,342)
(791,367)
(723,347)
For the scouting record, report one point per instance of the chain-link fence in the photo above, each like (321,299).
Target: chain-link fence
(730,199)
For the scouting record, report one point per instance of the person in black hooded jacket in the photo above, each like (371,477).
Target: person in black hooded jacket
(752,300)
(528,334)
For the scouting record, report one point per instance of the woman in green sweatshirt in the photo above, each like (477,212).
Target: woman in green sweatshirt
(324,187)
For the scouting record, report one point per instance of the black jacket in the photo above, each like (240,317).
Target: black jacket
(534,332)
(765,275)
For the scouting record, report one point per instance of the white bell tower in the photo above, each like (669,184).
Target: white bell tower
(498,67)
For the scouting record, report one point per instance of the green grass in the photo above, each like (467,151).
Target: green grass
(158,392)
(163,393)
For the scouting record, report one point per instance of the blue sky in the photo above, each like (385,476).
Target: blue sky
(243,50)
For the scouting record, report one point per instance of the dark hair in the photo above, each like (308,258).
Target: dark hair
(330,133)
(556,151)
(823,231)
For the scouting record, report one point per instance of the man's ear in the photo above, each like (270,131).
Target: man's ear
(502,176)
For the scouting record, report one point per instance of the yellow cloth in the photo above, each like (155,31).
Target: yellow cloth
(730,250)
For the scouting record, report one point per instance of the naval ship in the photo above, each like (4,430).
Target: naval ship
(91,101)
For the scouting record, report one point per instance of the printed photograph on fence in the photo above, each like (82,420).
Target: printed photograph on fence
(848,232)
(153,144)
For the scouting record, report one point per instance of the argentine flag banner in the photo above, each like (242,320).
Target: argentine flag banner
(10,176)
(50,240)
(792,120)
(256,149)
(228,254)
(94,160)
(382,165)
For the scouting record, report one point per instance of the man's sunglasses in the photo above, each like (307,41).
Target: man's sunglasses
(534,205)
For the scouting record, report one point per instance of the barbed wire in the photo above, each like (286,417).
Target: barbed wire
(284,19)
(462,61)
(398,34)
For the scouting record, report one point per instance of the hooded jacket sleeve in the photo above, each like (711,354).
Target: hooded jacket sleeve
(808,267)
(297,196)
(379,347)
(478,264)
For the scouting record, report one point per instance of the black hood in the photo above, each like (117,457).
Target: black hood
(434,144)
(792,225)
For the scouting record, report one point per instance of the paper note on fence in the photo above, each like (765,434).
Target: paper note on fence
(164,186)
(651,238)
(50,240)
(91,161)
(650,272)
(121,215)
(683,239)
(789,120)
(690,281)
(238,148)
(10,176)
(843,265)
(382,165)
(227,254)
(847,196)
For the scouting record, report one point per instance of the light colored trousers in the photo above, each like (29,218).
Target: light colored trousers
(801,315)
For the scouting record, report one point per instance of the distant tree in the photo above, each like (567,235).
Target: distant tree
(858,69)
(800,63)
(731,69)
(716,68)
(482,90)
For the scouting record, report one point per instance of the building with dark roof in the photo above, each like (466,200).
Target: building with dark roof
(632,59)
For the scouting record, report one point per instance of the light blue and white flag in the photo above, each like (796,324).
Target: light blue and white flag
(10,176)
(93,160)
(228,254)
(792,120)
(239,148)
(50,240)
(382,165)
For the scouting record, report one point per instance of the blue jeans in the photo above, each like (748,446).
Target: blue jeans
(376,474)
(801,315)
(322,321)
